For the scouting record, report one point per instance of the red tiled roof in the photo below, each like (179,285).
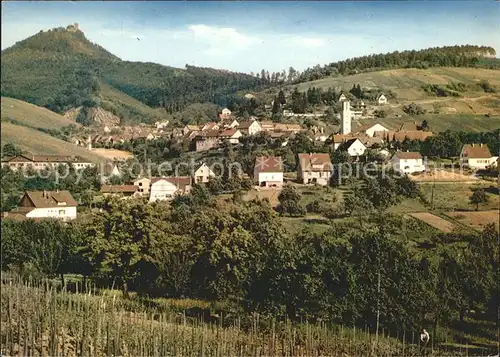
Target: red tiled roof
(408,155)
(119,188)
(317,162)
(246,124)
(268,164)
(48,199)
(476,151)
(339,138)
(410,134)
(46,158)
(209,134)
(228,132)
(180,181)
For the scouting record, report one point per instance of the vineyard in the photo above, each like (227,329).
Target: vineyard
(41,319)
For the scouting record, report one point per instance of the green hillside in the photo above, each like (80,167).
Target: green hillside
(31,115)
(446,56)
(36,142)
(125,106)
(407,83)
(60,69)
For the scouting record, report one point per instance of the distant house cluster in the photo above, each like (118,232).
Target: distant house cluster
(160,188)
(211,135)
(41,162)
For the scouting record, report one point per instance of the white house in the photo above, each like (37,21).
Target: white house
(354,147)
(45,204)
(229,123)
(370,130)
(250,127)
(165,188)
(202,174)
(382,99)
(225,113)
(268,171)
(161,124)
(232,135)
(476,156)
(408,162)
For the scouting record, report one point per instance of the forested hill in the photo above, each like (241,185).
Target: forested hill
(448,56)
(61,69)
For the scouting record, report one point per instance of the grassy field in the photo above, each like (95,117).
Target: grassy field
(31,115)
(475,110)
(133,109)
(455,196)
(477,220)
(407,83)
(442,122)
(36,142)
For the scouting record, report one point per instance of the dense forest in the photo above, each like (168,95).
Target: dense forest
(60,69)
(448,56)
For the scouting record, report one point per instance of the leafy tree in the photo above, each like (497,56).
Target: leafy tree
(125,234)
(413,109)
(486,86)
(478,197)
(289,202)
(10,150)
(380,113)
(281,97)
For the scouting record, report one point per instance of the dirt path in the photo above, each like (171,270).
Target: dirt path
(434,221)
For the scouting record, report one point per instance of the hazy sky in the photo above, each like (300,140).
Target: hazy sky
(251,35)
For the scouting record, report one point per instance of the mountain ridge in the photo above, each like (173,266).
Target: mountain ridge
(61,69)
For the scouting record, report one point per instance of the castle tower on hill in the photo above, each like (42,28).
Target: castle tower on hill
(345,118)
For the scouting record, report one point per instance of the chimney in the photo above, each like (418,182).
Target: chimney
(481,144)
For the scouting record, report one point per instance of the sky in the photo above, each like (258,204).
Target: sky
(247,36)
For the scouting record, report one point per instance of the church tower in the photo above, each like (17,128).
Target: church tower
(345,118)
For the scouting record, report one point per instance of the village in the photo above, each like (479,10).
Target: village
(249,178)
(314,168)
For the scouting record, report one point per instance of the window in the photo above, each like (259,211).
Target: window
(61,212)
(140,183)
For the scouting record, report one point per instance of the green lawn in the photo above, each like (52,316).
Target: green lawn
(454,196)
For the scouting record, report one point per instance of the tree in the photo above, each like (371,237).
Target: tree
(289,200)
(413,109)
(125,234)
(276,106)
(10,150)
(478,197)
(292,73)
(380,113)
(281,97)
(424,126)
